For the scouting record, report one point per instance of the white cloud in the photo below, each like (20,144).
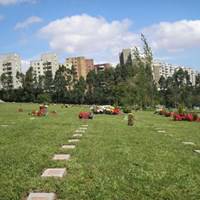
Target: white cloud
(102,40)
(87,35)
(28,22)
(174,36)
(12,2)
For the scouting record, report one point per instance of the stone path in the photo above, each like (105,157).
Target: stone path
(4,125)
(80,131)
(54,172)
(61,157)
(73,140)
(77,135)
(58,172)
(84,125)
(41,196)
(161,131)
(188,143)
(68,146)
(197,151)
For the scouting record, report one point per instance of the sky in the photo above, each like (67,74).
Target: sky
(100,29)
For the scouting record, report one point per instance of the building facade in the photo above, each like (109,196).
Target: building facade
(125,55)
(81,65)
(102,67)
(128,54)
(47,62)
(10,65)
(167,70)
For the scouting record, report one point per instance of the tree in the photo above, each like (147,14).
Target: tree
(60,84)
(29,86)
(79,91)
(48,82)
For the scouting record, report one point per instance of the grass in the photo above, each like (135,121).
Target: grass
(112,161)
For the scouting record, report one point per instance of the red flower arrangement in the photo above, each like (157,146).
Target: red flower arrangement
(191,117)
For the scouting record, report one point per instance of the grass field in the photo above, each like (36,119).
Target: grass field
(111,162)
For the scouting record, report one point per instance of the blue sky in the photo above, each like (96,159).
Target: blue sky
(100,28)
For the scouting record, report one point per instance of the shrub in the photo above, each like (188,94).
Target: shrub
(130,119)
(127,109)
(195,116)
(43,98)
(181,109)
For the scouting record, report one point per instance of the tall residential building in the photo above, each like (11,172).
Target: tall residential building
(47,62)
(156,71)
(127,54)
(167,70)
(81,65)
(10,65)
(158,68)
(102,67)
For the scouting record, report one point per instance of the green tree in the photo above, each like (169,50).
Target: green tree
(79,91)
(60,84)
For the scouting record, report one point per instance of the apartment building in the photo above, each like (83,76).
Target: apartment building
(127,54)
(81,65)
(47,62)
(10,65)
(167,70)
(102,67)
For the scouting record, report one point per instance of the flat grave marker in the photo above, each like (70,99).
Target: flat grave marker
(41,196)
(4,125)
(161,131)
(188,143)
(197,151)
(68,146)
(84,125)
(77,135)
(73,140)
(54,172)
(61,157)
(80,131)
(81,128)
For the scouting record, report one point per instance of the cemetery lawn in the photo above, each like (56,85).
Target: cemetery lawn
(111,162)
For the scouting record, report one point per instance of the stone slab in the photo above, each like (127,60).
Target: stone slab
(77,135)
(161,131)
(197,151)
(188,143)
(61,157)
(73,140)
(81,128)
(4,125)
(80,131)
(41,196)
(68,146)
(84,125)
(54,172)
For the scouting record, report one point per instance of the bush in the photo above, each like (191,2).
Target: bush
(130,119)
(127,109)
(43,98)
(181,109)
(195,116)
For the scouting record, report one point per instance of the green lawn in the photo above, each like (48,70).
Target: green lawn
(111,162)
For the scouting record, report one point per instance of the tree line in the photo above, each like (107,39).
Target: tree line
(131,84)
